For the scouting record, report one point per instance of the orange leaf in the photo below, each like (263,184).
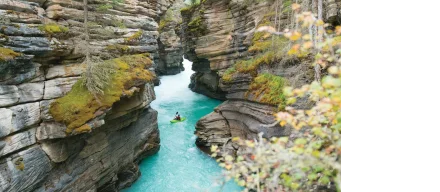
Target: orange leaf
(295,47)
(295,6)
(307,45)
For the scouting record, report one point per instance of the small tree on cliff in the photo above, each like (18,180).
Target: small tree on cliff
(98,73)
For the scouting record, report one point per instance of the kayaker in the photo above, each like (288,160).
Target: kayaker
(177,117)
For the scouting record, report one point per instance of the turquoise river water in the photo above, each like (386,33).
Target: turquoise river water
(180,166)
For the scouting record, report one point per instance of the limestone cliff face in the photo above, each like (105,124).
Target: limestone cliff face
(170,47)
(40,62)
(217,34)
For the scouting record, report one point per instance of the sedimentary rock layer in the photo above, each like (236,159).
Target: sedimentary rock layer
(170,47)
(217,34)
(40,61)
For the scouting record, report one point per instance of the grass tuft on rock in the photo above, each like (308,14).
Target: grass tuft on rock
(268,88)
(80,106)
(251,65)
(135,37)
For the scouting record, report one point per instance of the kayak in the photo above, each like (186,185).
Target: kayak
(176,121)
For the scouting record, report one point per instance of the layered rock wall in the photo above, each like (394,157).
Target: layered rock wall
(40,61)
(217,35)
(170,47)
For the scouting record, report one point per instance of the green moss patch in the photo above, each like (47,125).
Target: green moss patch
(268,88)
(135,37)
(228,75)
(162,24)
(80,106)
(251,65)
(259,36)
(197,26)
(53,28)
(7,54)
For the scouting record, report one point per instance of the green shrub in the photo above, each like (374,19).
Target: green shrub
(268,88)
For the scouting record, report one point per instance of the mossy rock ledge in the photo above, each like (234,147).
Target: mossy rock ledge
(81,111)
(268,89)
(7,54)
